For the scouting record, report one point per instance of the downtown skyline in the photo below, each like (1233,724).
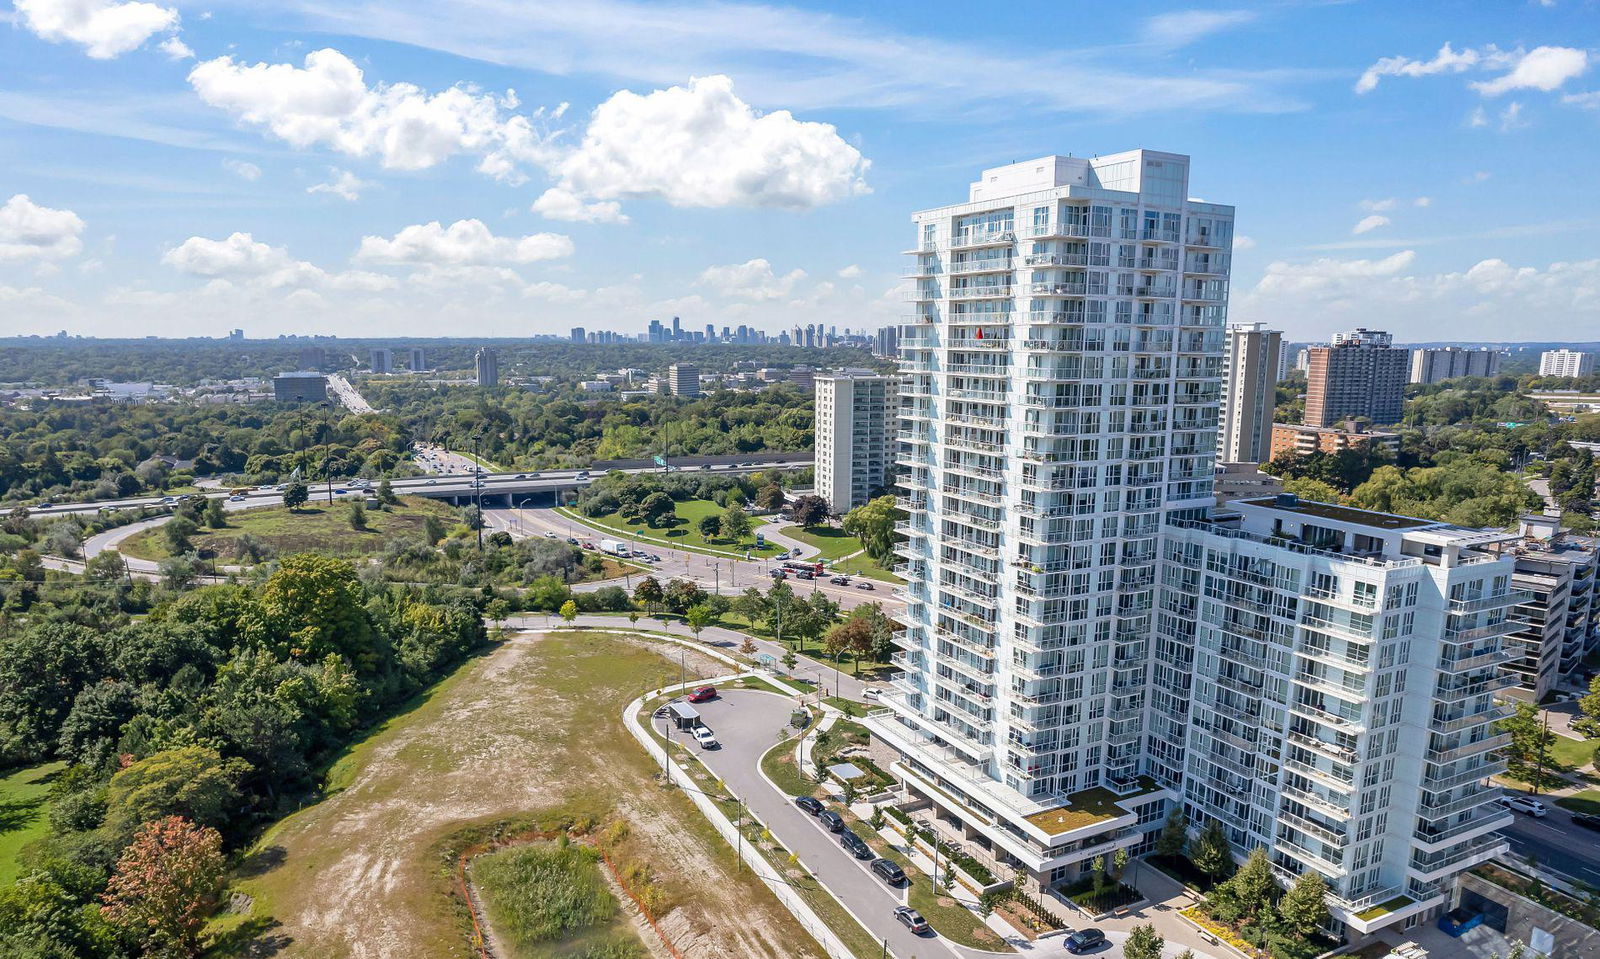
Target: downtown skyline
(182,169)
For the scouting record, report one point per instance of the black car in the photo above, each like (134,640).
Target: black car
(1586,820)
(889,872)
(810,805)
(832,820)
(856,846)
(1084,940)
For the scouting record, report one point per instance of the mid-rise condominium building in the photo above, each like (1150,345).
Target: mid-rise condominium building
(683,379)
(1249,393)
(382,361)
(419,360)
(1558,625)
(1068,595)
(488,364)
(1361,374)
(1435,365)
(855,437)
(1565,363)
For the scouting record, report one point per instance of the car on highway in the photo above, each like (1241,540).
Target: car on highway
(236,499)
(889,872)
(431,483)
(703,695)
(706,738)
(778,574)
(572,540)
(1586,820)
(706,468)
(340,492)
(549,535)
(808,804)
(840,580)
(532,476)
(522,476)
(832,820)
(1084,940)
(912,919)
(1524,804)
(583,474)
(806,574)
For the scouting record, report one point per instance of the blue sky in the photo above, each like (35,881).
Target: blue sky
(497,167)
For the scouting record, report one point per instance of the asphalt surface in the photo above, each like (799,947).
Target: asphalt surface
(1556,843)
(746,723)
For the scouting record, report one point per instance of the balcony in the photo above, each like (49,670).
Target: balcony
(980,292)
(1512,598)
(1488,744)
(997,238)
(981,266)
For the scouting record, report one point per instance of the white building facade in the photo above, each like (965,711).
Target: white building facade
(1068,594)
(1250,377)
(856,419)
(1565,363)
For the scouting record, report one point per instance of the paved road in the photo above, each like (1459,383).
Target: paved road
(1556,843)
(347,394)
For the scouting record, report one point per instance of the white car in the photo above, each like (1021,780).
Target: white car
(871,694)
(1524,804)
(706,738)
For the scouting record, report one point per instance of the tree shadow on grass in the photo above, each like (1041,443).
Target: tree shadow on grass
(255,938)
(20,813)
(262,861)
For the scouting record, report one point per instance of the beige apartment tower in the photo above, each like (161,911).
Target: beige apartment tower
(857,414)
(1249,393)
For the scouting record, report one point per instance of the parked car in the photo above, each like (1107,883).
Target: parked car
(809,804)
(832,820)
(865,585)
(856,845)
(911,919)
(1524,804)
(871,694)
(1084,940)
(1586,820)
(888,872)
(706,738)
(703,694)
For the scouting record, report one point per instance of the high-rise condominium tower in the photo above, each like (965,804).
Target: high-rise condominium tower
(1249,393)
(1361,374)
(856,422)
(382,361)
(488,363)
(1060,383)
(1565,362)
(1435,365)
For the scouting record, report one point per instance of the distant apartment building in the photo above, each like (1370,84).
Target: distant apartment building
(856,420)
(1249,393)
(1437,364)
(1558,624)
(1298,439)
(300,386)
(684,379)
(578,335)
(1361,374)
(312,357)
(487,362)
(1283,359)
(1236,481)
(419,360)
(804,377)
(382,361)
(1565,363)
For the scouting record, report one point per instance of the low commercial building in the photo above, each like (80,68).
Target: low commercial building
(1244,481)
(1301,439)
(1557,623)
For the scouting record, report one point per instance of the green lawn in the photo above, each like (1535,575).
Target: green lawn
(318,526)
(682,535)
(835,544)
(1587,801)
(1575,753)
(23,813)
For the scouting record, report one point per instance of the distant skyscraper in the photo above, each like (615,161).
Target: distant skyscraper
(419,360)
(488,363)
(578,335)
(382,361)
(657,333)
(684,379)
(1361,374)
(856,420)
(1249,393)
(1283,359)
(1448,363)
(677,329)
(1565,363)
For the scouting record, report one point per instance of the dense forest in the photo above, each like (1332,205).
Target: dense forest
(184,721)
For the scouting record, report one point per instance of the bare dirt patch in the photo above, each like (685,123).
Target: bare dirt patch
(533,725)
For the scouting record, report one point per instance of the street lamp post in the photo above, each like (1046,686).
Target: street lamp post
(516,513)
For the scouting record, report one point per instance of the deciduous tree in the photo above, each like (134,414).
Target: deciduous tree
(1143,943)
(165,885)
(296,495)
(809,510)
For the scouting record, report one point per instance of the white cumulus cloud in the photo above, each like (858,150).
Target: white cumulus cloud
(1369,223)
(29,231)
(850,272)
(241,258)
(1447,60)
(462,243)
(327,102)
(1542,68)
(701,146)
(104,28)
(752,279)
(559,204)
(342,184)
(242,169)
(176,49)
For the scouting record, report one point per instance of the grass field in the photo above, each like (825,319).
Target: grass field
(547,900)
(1574,753)
(316,526)
(1587,801)
(533,725)
(682,536)
(23,813)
